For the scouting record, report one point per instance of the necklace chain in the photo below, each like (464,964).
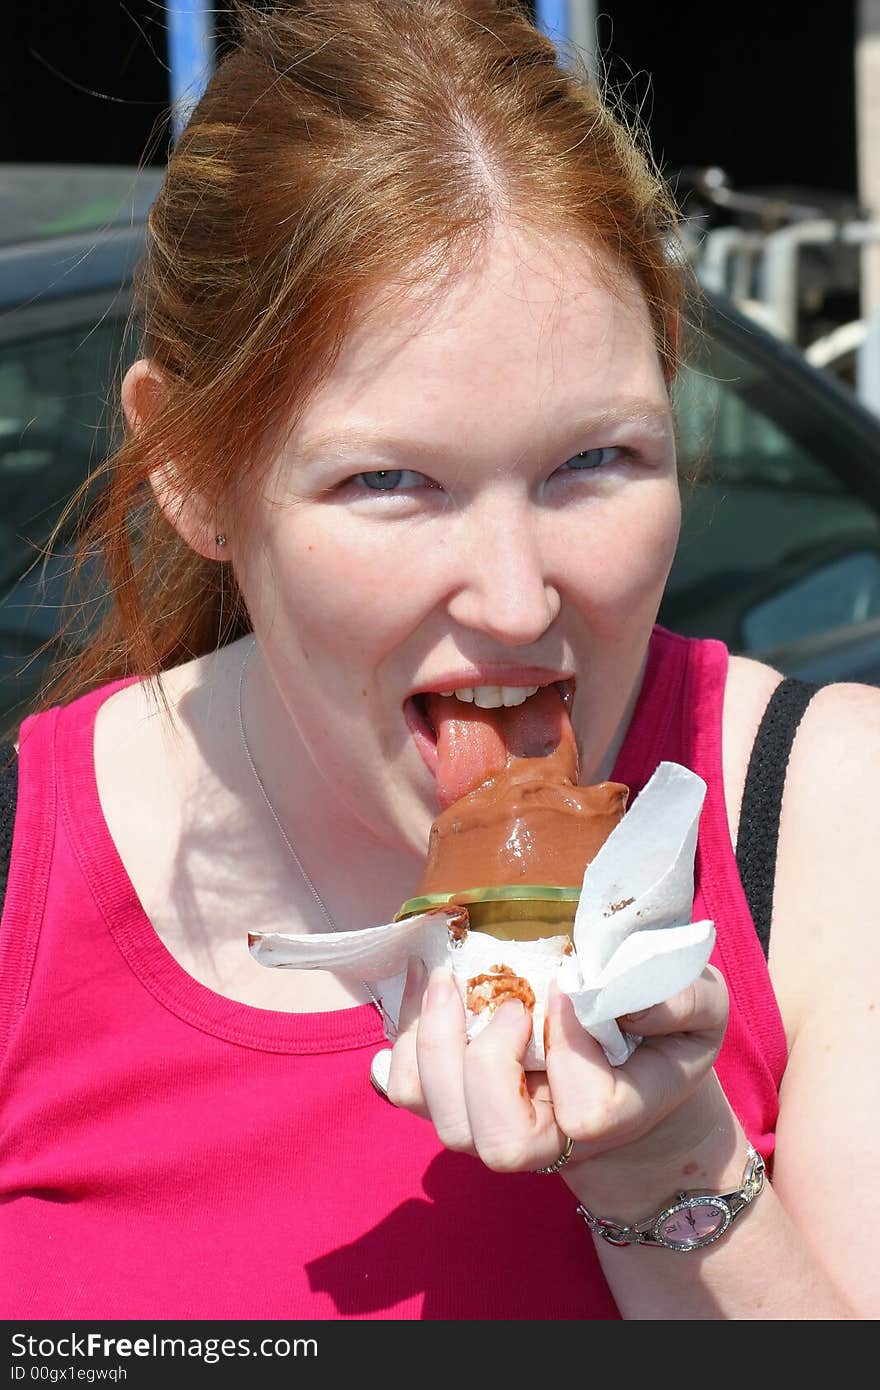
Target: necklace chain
(281,831)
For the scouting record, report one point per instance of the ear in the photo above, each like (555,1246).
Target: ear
(143,393)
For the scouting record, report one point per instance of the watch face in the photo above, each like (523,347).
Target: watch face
(693,1223)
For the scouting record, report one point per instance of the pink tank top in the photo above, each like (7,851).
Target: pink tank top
(167,1153)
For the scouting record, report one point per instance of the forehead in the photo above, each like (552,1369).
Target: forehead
(534,326)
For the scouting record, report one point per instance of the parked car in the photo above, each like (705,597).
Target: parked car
(780,547)
(780,551)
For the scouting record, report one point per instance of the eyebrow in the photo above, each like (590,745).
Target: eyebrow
(639,411)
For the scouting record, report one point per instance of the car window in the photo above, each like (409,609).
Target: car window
(54,423)
(776,543)
(57,376)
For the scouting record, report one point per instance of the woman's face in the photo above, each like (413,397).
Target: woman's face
(483,493)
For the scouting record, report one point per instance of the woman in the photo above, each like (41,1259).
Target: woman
(410,316)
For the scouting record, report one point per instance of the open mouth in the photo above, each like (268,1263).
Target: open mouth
(421,726)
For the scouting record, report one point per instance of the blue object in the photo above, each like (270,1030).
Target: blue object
(190,56)
(551,17)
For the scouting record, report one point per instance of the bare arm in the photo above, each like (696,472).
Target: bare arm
(825,963)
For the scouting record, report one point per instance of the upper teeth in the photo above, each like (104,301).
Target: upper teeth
(492,696)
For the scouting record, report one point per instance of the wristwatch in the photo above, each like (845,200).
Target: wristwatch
(692,1220)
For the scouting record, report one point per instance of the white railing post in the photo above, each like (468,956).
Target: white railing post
(868,363)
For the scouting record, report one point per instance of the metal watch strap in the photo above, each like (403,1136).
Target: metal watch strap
(722,1208)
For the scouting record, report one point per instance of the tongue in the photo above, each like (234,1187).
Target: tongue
(474,744)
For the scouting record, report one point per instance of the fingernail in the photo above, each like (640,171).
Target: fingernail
(380,1071)
(633,1018)
(440,987)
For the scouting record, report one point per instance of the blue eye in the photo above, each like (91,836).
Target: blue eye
(593,458)
(390,479)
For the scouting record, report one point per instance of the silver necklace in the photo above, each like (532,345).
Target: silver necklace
(281,831)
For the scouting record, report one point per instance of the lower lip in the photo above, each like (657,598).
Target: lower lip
(423,734)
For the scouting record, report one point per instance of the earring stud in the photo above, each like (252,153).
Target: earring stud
(220,539)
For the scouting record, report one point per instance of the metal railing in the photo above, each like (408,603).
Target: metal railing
(767,260)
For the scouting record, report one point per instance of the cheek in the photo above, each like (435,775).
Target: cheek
(621,563)
(310,579)
(333,594)
(662,532)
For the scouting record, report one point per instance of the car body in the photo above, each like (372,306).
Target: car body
(780,548)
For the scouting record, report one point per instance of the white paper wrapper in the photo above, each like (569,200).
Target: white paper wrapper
(634,943)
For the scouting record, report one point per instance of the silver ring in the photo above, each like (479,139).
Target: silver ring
(561,1160)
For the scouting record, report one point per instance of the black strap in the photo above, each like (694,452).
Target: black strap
(758,835)
(8,796)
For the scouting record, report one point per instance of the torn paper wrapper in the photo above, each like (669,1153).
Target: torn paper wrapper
(633,942)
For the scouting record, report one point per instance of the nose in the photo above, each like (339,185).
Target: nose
(504,588)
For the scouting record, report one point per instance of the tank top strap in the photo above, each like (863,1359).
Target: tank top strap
(678,718)
(661,728)
(33,839)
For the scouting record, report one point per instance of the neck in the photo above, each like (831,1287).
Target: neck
(606,766)
(292,829)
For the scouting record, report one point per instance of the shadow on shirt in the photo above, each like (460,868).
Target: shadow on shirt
(480,1245)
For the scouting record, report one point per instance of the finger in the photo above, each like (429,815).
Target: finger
(700,1008)
(512,1125)
(441,1046)
(413,995)
(581,1080)
(403,1085)
(604,1107)
(682,1038)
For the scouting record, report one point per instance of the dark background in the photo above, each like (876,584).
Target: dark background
(765,90)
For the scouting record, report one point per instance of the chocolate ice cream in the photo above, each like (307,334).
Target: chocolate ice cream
(528,824)
(514,845)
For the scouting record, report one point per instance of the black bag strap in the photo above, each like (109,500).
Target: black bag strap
(758,836)
(8,797)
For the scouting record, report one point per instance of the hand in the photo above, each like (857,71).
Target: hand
(659,1104)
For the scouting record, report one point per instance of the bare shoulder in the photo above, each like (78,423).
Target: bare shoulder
(828,829)
(827,866)
(144,711)
(824,944)
(142,759)
(825,967)
(159,787)
(841,722)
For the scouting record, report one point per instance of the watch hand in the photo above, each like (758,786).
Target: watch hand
(690,1217)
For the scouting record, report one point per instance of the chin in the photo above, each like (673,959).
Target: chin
(398,813)
(410,811)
